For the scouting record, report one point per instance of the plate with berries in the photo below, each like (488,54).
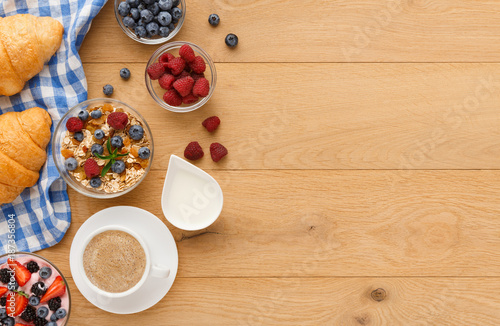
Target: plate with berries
(32,291)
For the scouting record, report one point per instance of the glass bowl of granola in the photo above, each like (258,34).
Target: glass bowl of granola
(103,148)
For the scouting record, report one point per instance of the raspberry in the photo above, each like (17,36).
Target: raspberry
(193,151)
(156,70)
(186,53)
(184,85)
(217,151)
(166,81)
(201,87)
(166,57)
(74,124)
(196,76)
(118,120)
(176,65)
(198,65)
(91,168)
(211,123)
(172,98)
(189,99)
(183,74)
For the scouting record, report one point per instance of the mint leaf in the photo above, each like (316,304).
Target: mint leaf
(108,145)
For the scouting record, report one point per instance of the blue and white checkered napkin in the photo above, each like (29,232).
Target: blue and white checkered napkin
(42,213)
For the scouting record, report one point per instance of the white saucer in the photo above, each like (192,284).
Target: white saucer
(163,251)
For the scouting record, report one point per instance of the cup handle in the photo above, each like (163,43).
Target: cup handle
(159,271)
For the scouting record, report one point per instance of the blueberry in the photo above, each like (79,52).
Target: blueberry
(78,135)
(153,29)
(83,115)
(176,13)
(129,22)
(45,272)
(135,14)
(171,27)
(141,6)
(165,4)
(34,300)
(140,31)
(42,312)
(125,73)
(107,90)
(3,313)
(175,3)
(164,18)
(133,3)
(231,40)
(52,323)
(136,132)
(71,164)
(148,2)
(123,9)
(154,8)
(144,153)
(99,134)
(96,114)
(53,318)
(214,19)
(9,321)
(164,31)
(95,182)
(96,148)
(146,16)
(116,141)
(118,167)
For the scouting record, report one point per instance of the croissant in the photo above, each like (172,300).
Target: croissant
(23,139)
(26,43)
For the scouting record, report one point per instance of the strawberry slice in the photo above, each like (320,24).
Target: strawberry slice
(20,325)
(21,273)
(3,290)
(21,302)
(56,289)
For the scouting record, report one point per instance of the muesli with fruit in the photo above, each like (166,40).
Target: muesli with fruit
(106,148)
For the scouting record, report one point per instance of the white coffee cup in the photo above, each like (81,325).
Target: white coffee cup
(151,270)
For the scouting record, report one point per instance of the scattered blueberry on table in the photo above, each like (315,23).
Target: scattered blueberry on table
(150,18)
(107,90)
(231,40)
(214,19)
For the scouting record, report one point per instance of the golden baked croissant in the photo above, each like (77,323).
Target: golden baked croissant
(23,138)
(26,43)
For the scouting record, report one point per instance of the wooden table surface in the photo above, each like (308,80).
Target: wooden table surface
(363,142)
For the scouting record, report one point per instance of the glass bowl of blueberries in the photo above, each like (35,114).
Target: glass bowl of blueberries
(150,21)
(103,148)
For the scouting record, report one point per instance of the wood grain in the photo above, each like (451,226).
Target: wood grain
(363,154)
(321,31)
(332,223)
(313,301)
(331,116)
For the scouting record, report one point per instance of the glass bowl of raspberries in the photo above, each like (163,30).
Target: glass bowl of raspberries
(150,21)
(33,291)
(103,148)
(181,76)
